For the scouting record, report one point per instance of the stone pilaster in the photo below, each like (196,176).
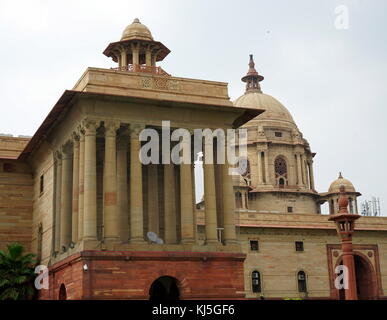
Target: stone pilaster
(266,164)
(259,166)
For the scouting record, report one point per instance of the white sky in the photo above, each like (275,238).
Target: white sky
(332,81)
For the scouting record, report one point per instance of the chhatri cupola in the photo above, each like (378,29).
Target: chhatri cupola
(137,51)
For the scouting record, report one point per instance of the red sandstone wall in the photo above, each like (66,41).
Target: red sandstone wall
(129,275)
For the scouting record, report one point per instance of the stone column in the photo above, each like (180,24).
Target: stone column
(58,186)
(110,212)
(170,235)
(122,190)
(135,56)
(136,200)
(154,58)
(148,57)
(303,174)
(228,206)
(74,220)
(124,62)
(90,187)
(66,197)
(186,200)
(153,199)
(81,183)
(299,170)
(211,222)
(311,174)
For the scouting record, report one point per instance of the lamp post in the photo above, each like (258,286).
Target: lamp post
(345,225)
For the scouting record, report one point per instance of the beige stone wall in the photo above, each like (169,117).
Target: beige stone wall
(16,196)
(152,86)
(279,203)
(278,262)
(10,147)
(43,204)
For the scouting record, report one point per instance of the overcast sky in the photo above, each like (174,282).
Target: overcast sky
(333,81)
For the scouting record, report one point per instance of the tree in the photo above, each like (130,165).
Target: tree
(16,273)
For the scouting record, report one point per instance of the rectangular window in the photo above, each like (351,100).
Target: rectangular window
(290,209)
(278,134)
(254,245)
(299,246)
(41,186)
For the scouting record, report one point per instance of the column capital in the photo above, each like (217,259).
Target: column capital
(75,137)
(58,156)
(90,126)
(135,129)
(66,150)
(111,127)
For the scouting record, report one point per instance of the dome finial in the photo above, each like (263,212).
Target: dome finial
(252,78)
(136,20)
(340,175)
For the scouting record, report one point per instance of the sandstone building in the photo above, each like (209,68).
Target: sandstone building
(77,195)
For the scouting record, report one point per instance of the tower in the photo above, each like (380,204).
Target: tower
(279,158)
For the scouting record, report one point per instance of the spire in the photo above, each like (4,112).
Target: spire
(252,78)
(340,175)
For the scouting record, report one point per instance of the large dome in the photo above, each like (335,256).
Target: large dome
(136,30)
(335,185)
(274,110)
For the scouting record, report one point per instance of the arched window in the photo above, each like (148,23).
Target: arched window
(301,279)
(281,172)
(256,281)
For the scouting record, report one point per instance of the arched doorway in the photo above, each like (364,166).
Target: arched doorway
(62,292)
(164,289)
(365,279)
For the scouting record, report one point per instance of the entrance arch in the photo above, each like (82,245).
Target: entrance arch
(366,284)
(62,292)
(164,288)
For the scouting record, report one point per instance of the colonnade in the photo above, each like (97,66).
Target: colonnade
(125,205)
